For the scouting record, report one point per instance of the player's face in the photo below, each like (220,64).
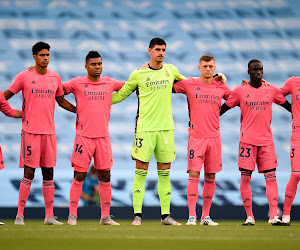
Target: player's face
(157,53)
(94,66)
(207,69)
(256,71)
(42,58)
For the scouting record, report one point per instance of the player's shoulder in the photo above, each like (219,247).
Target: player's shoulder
(170,66)
(293,79)
(52,73)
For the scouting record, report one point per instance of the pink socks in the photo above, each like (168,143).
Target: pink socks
(272,192)
(290,192)
(192,195)
(75,194)
(105,198)
(24,192)
(207,196)
(246,192)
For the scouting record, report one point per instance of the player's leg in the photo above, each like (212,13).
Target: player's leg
(75,193)
(30,160)
(105,198)
(195,153)
(138,190)
(165,153)
(291,187)
(142,150)
(212,165)
(267,164)
(246,163)
(47,163)
(24,192)
(192,191)
(103,161)
(83,151)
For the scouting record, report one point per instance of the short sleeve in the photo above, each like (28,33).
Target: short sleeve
(227,92)
(286,89)
(69,86)
(278,97)
(59,91)
(234,98)
(180,86)
(17,84)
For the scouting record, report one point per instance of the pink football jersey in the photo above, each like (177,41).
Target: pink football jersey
(39,92)
(204,101)
(93,101)
(256,112)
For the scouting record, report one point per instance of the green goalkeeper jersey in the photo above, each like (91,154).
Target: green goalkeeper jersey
(154,92)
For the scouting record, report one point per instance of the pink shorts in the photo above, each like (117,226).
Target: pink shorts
(86,148)
(38,150)
(1,159)
(207,151)
(263,156)
(295,155)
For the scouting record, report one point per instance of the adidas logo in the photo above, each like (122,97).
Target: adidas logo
(148,79)
(86,86)
(192,195)
(137,191)
(169,193)
(299,89)
(198,88)
(247,96)
(33,82)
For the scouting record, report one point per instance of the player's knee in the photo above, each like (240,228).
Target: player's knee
(104,175)
(29,172)
(296,176)
(79,176)
(210,176)
(47,174)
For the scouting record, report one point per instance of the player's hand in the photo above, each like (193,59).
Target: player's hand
(145,65)
(244,82)
(265,82)
(220,77)
(30,68)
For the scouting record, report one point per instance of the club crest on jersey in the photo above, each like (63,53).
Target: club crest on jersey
(52,83)
(217,90)
(167,73)
(267,94)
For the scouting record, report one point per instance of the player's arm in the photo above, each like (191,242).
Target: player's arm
(64,88)
(62,102)
(8,94)
(224,108)
(287,105)
(8,110)
(126,90)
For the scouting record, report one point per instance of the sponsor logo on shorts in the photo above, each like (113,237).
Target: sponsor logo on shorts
(169,193)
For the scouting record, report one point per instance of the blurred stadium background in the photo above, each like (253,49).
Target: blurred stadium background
(233,31)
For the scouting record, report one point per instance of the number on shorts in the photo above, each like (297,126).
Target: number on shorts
(192,152)
(29,150)
(138,142)
(293,153)
(78,149)
(243,150)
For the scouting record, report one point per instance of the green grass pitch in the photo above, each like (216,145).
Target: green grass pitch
(88,234)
